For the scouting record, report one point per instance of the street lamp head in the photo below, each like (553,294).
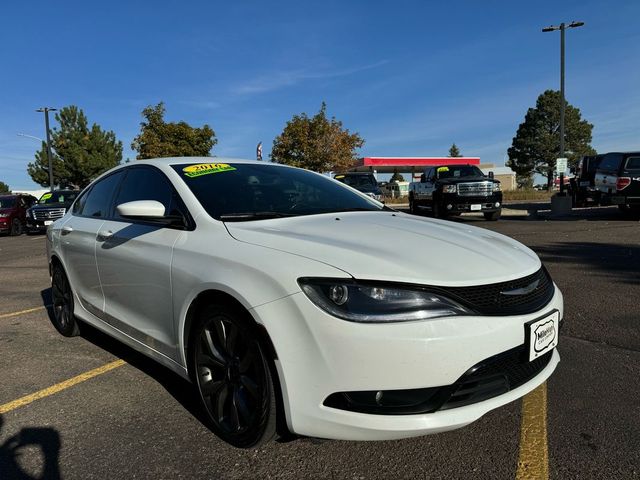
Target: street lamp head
(549,29)
(44,109)
(576,24)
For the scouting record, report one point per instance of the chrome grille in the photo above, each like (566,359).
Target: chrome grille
(475,189)
(49,214)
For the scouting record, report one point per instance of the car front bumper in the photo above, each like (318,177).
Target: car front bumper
(319,355)
(460,204)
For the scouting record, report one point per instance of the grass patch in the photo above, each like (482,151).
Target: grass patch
(526,194)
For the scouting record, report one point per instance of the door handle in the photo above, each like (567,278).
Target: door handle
(105,234)
(66,230)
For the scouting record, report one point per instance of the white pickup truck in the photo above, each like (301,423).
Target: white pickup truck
(454,189)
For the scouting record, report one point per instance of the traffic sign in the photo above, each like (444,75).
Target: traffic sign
(561,165)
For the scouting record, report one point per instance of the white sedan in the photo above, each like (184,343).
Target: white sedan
(295,303)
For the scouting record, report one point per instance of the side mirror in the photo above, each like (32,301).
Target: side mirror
(491,175)
(148,211)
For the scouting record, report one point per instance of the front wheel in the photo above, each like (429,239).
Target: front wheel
(233,377)
(63,318)
(492,216)
(413,209)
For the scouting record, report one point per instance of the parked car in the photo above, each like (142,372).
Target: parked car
(582,185)
(295,303)
(13,212)
(454,189)
(51,206)
(363,182)
(617,179)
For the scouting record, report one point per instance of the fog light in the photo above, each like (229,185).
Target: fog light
(379,397)
(449,207)
(497,204)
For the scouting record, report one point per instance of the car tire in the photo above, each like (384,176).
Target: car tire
(492,216)
(413,208)
(233,376)
(436,210)
(63,318)
(16,228)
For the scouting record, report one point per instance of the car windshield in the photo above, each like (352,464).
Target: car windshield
(246,191)
(459,171)
(58,197)
(7,202)
(358,181)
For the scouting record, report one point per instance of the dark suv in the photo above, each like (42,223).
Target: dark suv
(618,180)
(51,206)
(583,184)
(13,212)
(363,182)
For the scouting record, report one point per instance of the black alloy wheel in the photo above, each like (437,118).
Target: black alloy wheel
(63,317)
(16,227)
(233,377)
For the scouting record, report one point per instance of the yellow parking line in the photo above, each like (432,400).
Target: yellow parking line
(22,312)
(533,458)
(58,387)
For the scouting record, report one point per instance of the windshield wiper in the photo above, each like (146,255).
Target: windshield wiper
(246,216)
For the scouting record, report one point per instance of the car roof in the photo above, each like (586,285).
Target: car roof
(183,160)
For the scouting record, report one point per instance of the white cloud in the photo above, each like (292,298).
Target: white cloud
(281,79)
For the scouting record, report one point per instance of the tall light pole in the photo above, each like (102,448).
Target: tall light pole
(562,27)
(46,111)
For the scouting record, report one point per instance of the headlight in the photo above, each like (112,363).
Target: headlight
(496,187)
(371,303)
(449,188)
(4,215)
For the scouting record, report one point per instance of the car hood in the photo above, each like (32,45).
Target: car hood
(50,205)
(395,247)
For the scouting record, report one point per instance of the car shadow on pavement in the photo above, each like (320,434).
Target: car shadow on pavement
(179,388)
(617,262)
(46,439)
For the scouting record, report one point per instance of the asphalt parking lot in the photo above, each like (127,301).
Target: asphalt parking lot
(101,410)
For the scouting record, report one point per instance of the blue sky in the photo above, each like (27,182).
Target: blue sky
(410,76)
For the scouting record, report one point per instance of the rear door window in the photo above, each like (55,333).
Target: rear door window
(633,163)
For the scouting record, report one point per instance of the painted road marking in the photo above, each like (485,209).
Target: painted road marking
(39,238)
(58,387)
(533,458)
(22,312)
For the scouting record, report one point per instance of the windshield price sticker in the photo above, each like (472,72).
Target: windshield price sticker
(443,169)
(543,335)
(46,196)
(205,168)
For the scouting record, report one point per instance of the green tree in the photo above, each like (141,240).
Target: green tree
(159,138)
(396,177)
(454,151)
(537,142)
(316,143)
(4,188)
(79,152)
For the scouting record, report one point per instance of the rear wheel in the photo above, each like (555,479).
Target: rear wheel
(492,216)
(233,377)
(63,318)
(16,227)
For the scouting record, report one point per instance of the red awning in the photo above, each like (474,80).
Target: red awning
(408,164)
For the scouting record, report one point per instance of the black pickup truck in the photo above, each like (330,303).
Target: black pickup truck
(454,189)
(51,206)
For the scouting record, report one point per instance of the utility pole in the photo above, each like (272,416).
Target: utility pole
(46,111)
(562,27)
